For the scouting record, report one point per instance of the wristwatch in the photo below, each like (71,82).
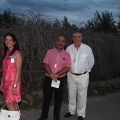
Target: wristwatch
(14,85)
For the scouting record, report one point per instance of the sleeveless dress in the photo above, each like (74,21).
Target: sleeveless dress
(8,74)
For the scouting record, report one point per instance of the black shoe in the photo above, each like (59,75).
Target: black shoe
(42,118)
(80,118)
(67,115)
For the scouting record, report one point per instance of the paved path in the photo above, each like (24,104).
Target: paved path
(98,108)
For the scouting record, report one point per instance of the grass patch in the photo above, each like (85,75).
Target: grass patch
(30,101)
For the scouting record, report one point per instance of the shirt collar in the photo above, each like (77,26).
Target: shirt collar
(81,46)
(57,51)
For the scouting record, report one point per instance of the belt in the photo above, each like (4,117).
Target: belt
(79,73)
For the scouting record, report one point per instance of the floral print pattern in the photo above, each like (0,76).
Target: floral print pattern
(8,73)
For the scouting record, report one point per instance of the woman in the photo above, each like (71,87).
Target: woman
(11,72)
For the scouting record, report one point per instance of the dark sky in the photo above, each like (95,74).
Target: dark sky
(76,11)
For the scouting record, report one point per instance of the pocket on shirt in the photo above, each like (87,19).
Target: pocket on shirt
(83,57)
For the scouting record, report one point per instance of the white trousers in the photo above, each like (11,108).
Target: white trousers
(77,89)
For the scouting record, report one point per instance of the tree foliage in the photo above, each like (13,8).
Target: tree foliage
(36,36)
(7,19)
(68,25)
(103,22)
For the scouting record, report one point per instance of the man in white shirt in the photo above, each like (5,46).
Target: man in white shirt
(82,61)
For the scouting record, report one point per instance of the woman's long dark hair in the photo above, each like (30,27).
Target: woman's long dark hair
(16,46)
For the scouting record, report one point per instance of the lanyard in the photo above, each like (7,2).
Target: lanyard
(57,59)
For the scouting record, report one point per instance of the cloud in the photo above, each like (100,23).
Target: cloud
(75,10)
(61,5)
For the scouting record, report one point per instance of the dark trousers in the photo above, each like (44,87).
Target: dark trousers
(58,97)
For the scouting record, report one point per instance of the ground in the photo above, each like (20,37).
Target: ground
(98,108)
(105,107)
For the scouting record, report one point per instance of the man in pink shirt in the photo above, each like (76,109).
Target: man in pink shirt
(57,63)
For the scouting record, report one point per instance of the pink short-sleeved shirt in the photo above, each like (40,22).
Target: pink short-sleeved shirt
(57,61)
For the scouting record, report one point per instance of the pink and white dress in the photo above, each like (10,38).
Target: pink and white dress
(8,74)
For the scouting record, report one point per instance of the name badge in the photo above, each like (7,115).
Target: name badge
(55,66)
(12,60)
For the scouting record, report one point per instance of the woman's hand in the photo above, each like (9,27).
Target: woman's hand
(14,90)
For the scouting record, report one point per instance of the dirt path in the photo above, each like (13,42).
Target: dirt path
(98,108)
